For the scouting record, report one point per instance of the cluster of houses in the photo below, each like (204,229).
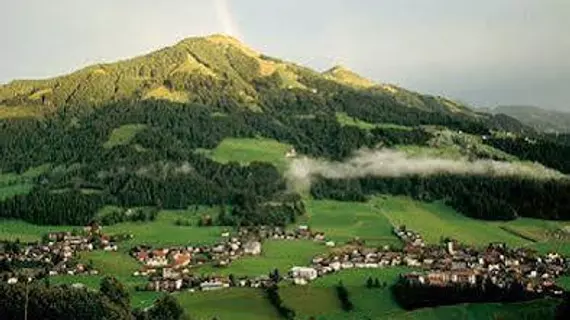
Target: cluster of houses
(409,237)
(499,265)
(169,268)
(448,264)
(170,282)
(302,232)
(179,259)
(56,254)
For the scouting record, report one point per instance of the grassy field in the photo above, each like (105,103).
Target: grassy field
(164,232)
(435,220)
(161,232)
(12,184)
(310,301)
(26,232)
(123,135)
(246,151)
(562,247)
(232,304)
(116,264)
(347,120)
(342,221)
(535,229)
(14,190)
(280,254)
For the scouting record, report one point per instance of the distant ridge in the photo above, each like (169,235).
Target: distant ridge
(544,120)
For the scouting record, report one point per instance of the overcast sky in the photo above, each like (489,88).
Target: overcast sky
(484,52)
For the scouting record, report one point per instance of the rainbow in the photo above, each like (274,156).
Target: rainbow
(225,18)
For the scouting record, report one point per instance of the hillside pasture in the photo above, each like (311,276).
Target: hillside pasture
(310,301)
(123,135)
(343,221)
(14,190)
(435,221)
(164,231)
(26,232)
(231,304)
(246,151)
(319,298)
(12,184)
(346,120)
(538,230)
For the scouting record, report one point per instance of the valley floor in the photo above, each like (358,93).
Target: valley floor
(341,221)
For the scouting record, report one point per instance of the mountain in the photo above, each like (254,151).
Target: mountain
(181,72)
(210,121)
(178,146)
(544,120)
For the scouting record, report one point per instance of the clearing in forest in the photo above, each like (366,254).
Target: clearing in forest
(248,150)
(123,135)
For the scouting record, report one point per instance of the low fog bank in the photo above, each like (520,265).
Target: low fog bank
(392,163)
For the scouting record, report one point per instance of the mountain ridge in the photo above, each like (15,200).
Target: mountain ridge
(177,73)
(549,121)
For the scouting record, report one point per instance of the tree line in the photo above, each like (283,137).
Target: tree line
(481,197)
(410,295)
(41,300)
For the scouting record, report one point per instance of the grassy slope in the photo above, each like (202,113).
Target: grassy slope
(26,232)
(9,192)
(233,304)
(347,120)
(435,220)
(280,254)
(368,302)
(164,232)
(342,221)
(12,184)
(123,135)
(246,151)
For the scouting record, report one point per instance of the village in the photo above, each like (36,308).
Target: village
(448,264)
(170,269)
(55,255)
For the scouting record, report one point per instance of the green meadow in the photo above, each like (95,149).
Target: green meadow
(319,297)
(27,232)
(245,151)
(12,184)
(343,221)
(346,120)
(231,304)
(276,254)
(435,221)
(123,135)
(164,231)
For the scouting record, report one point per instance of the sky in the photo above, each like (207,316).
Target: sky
(484,53)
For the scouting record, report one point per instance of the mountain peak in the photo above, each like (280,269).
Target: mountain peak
(344,75)
(223,40)
(223,37)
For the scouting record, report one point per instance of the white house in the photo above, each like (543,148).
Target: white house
(305,273)
(252,247)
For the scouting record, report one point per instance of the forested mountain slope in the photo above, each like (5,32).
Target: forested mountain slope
(144,132)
